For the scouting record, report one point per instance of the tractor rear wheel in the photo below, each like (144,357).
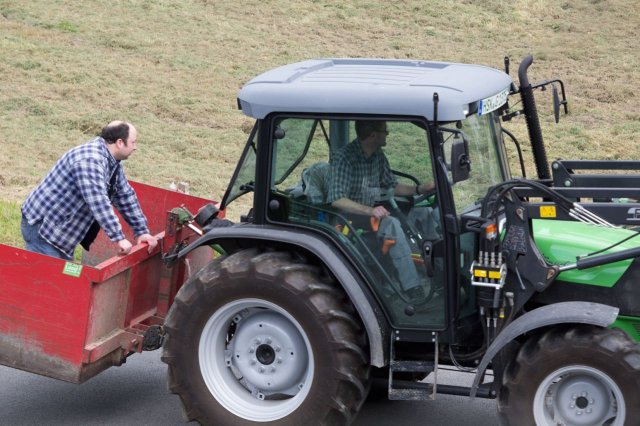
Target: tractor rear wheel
(578,375)
(265,338)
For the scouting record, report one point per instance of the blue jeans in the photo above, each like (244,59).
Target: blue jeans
(34,242)
(400,252)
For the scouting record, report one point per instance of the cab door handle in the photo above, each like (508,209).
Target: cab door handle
(427,255)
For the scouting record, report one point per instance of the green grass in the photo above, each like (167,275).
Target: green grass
(10,217)
(174,69)
(10,224)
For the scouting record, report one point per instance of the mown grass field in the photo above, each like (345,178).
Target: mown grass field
(174,68)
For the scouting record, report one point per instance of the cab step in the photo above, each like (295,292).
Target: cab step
(412,394)
(411,366)
(405,376)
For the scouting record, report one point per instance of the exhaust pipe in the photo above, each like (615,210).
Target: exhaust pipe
(533,123)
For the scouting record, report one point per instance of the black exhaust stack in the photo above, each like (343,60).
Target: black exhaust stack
(533,124)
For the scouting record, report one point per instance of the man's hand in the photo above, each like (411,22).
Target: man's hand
(379,212)
(149,239)
(124,247)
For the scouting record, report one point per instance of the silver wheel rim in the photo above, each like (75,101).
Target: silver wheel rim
(579,395)
(256,360)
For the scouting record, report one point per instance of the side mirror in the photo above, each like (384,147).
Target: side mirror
(460,160)
(278,133)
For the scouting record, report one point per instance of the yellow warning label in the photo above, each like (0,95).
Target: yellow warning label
(494,274)
(548,211)
(480,273)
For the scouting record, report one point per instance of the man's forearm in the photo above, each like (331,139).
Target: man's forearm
(351,206)
(129,207)
(409,190)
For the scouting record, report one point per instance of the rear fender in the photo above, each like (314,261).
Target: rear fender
(557,313)
(362,299)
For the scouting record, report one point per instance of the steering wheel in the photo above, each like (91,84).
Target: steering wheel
(429,198)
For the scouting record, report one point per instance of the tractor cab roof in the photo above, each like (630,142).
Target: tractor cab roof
(373,86)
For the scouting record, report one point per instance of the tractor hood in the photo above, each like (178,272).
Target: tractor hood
(561,242)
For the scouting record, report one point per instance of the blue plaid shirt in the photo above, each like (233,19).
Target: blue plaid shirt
(75,192)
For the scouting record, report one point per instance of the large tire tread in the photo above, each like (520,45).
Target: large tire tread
(308,282)
(604,346)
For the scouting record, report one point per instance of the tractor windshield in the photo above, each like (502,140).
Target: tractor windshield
(488,165)
(488,168)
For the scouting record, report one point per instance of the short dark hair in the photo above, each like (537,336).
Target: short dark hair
(364,128)
(112,132)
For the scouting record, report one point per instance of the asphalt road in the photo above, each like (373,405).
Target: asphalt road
(136,394)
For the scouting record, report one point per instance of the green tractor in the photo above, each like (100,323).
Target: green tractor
(531,284)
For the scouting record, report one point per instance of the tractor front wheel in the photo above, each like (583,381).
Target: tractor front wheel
(581,375)
(265,338)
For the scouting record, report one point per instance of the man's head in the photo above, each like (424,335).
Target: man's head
(372,134)
(121,138)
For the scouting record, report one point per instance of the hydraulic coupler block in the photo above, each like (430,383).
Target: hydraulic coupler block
(489,270)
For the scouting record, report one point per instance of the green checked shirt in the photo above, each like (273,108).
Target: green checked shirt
(358,178)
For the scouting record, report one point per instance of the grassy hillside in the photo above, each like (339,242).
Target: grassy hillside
(174,68)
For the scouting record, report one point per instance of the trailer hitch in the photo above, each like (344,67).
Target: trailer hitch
(153,338)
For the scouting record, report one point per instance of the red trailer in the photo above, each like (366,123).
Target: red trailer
(70,320)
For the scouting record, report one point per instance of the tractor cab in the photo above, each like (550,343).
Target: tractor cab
(446,133)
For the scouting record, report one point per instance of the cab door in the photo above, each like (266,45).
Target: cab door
(303,151)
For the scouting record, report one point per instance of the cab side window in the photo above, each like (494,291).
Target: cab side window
(301,159)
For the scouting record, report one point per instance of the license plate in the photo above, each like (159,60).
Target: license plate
(494,102)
